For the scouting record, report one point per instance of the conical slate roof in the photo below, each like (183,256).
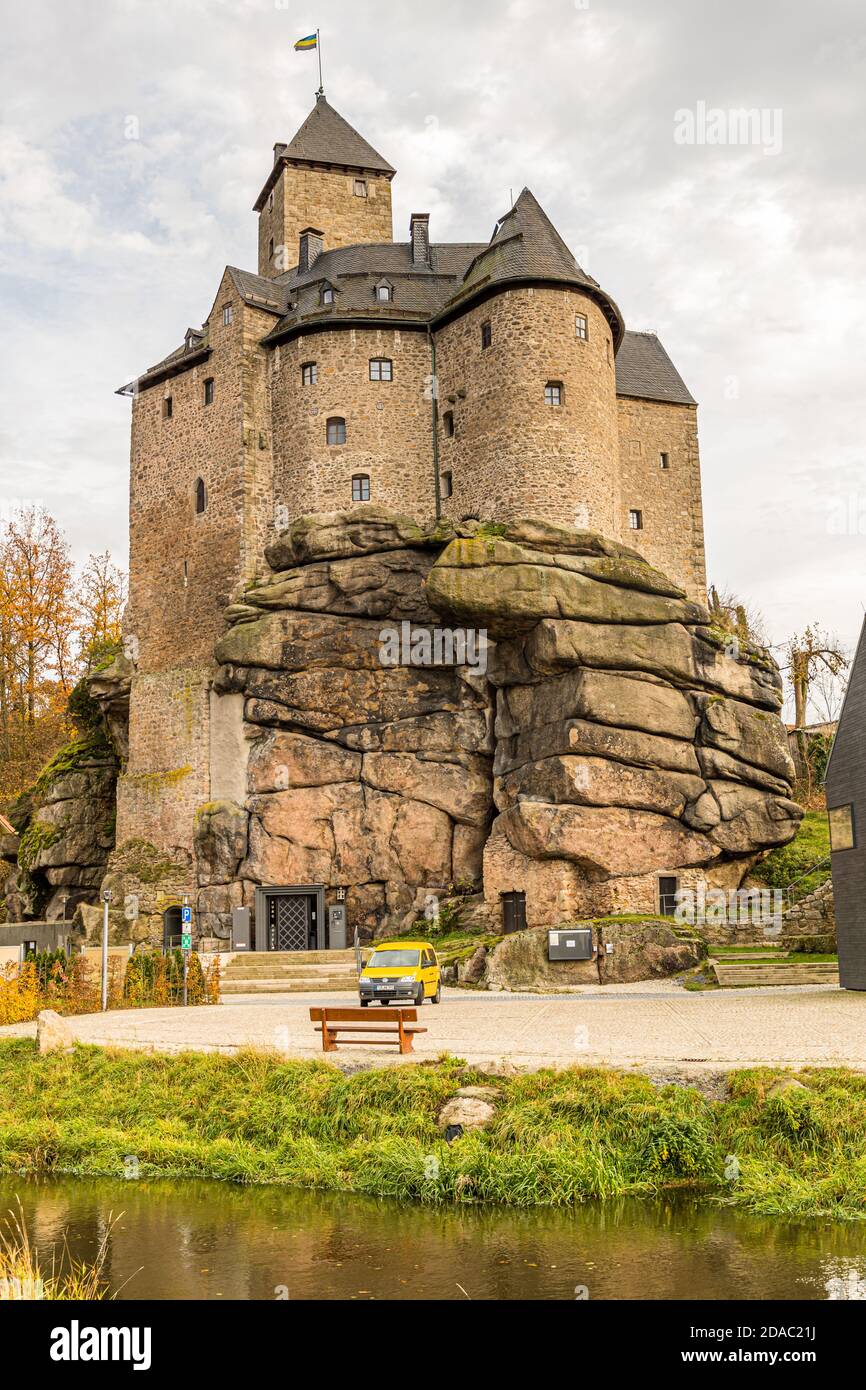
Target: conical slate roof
(526,246)
(327,138)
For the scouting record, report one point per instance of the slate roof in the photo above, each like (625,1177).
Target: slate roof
(644,370)
(326,138)
(526,246)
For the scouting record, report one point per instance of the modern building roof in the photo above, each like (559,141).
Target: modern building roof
(644,370)
(326,138)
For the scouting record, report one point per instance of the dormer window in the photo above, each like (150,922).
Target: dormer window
(328,295)
(193,340)
(381,369)
(384,292)
(360,188)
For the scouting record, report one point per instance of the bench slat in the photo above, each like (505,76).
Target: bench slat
(370,1028)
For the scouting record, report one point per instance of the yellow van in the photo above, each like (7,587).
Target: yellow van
(401,970)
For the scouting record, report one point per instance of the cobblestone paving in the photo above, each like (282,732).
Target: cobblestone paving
(645,1027)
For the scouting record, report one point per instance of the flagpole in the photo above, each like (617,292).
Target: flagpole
(321,91)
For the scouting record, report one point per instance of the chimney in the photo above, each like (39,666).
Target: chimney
(419,235)
(311,247)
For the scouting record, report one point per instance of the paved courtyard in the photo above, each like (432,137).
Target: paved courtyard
(647,1025)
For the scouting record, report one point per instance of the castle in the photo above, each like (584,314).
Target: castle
(487,381)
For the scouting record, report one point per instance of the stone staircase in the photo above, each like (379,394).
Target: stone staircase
(736,975)
(290,972)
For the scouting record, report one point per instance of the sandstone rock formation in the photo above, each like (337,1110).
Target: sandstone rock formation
(615,736)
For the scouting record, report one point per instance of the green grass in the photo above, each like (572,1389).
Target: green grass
(557,1138)
(783,866)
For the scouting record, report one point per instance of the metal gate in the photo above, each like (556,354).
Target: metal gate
(288,923)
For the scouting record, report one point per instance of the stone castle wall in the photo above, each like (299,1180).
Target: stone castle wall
(672,536)
(324,199)
(511,454)
(389,433)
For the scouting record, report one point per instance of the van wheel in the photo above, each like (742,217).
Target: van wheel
(437,997)
(419,997)
(364,1003)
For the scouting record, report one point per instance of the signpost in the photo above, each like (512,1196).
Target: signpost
(106,899)
(185,941)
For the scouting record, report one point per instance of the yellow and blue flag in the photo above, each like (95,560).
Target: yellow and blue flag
(309,42)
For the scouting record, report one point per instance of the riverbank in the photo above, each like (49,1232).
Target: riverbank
(772,1146)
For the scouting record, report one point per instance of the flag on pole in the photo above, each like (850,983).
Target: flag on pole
(311,41)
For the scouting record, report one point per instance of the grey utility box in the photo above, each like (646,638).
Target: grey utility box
(573,944)
(241,938)
(337,927)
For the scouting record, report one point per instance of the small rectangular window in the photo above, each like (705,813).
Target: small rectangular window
(227,313)
(664,461)
(841,820)
(208,391)
(553,393)
(271,249)
(581,328)
(327,296)
(361,488)
(167,407)
(360,188)
(668,888)
(635,520)
(486,335)
(448,422)
(309,373)
(447,487)
(271,201)
(381,369)
(336,430)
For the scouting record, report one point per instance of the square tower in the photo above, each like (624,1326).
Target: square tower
(327,177)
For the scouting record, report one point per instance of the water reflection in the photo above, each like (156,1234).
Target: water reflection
(191,1240)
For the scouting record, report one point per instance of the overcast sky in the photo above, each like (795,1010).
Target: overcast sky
(746,258)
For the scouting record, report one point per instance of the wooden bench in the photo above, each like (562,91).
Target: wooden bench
(396,1025)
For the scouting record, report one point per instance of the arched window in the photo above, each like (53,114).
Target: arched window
(200,496)
(361,488)
(384,291)
(336,430)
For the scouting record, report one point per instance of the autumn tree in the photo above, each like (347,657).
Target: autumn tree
(101,596)
(814,660)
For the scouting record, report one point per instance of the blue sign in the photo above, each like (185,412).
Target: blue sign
(186,914)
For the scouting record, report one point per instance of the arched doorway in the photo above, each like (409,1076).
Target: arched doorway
(171,927)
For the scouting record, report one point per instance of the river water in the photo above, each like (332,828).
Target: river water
(206,1240)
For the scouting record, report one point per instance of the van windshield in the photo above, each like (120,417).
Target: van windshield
(393,960)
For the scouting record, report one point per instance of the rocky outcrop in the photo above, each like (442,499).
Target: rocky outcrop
(615,734)
(623,952)
(65,823)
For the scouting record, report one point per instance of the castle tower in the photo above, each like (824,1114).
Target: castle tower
(329,178)
(527,383)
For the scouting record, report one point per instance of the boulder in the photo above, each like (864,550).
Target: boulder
(220,841)
(492,583)
(600,782)
(364,530)
(750,735)
(389,585)
(601,696)
(53,1033)
(606,841)
(473,1107)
